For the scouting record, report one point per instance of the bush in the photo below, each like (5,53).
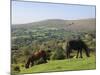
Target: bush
(58,54)
(17,68)
(14,59)
(22,65)
(40,61)
(90,41)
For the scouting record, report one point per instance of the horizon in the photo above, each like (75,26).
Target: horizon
(54,19)
(27,12)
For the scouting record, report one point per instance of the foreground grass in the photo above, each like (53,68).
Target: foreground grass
(63,65)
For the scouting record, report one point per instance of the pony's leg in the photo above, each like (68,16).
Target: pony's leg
(77,54)
(81,54)
(68,53)
(32,63)
(45,59)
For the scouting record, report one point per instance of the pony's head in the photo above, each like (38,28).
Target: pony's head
(87,50)
(26,66)
(28,62)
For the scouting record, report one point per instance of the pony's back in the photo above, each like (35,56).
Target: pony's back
(76,44)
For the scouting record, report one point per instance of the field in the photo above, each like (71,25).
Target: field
(63,65)
(52,40)
(52,35)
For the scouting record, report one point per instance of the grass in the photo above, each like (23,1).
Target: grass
(63,65)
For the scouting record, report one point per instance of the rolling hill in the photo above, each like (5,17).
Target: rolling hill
(72,25)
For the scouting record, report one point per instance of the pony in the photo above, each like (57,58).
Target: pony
(36,56)
(78,45)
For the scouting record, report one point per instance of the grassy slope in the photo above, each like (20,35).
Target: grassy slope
(62,65)
(82,24)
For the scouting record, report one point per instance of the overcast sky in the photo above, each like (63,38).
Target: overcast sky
(26,12)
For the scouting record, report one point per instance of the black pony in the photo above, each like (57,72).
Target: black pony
(78,45)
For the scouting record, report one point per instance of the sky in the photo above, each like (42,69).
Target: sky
(27,12)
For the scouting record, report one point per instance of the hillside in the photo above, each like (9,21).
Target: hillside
(53,35)
(61,65)
(72,25)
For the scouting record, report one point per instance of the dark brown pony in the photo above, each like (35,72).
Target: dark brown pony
(36,56)
(78,45)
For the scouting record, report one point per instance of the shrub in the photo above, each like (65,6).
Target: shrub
(14,59)
(40,61)
(17,68)
(58,54)
(22,65)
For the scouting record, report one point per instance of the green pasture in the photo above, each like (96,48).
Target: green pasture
(62,65)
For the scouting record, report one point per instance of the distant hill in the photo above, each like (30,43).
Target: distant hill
(73,25)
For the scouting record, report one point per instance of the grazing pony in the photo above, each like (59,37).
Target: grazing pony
(78,45)
(36,56)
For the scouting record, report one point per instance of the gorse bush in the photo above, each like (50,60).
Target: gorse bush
(17,68)
(40,61)
(14,59)
(90,40)
(58,54)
